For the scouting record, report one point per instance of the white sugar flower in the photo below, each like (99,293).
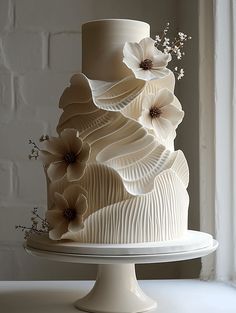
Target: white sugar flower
(160,114)
(67,213)
(145,60)
(66,154)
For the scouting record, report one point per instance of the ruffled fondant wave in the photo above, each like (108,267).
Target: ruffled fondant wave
(158,215)
(117,141)
(115,96)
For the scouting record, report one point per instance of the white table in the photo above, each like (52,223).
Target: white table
(173,296)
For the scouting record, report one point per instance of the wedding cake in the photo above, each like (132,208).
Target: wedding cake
(112,172)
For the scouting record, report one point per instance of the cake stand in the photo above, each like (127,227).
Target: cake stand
(116,288)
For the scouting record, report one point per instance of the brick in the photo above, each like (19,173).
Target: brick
(50,115)
(23,51)
(65,51)
(132,9)
(5,15)
(6,96)
(2,59)
(16,264)
(14,138)
(31,182)
(43,88)
(11,215)
(6,179)
(53,15)
(8,262)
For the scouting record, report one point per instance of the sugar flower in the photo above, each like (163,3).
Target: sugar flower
(145,60)
(67,213)
(65,155)
(160,114)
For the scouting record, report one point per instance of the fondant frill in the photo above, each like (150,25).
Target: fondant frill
(118,141)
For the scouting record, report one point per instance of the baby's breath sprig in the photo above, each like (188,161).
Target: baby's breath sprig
(39,225)
(160,39)
(179,72)
(174,47)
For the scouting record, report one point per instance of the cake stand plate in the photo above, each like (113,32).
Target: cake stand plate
(116,288)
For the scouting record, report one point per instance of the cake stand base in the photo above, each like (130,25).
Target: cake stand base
(116,290)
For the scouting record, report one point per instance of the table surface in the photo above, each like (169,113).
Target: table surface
(173,296)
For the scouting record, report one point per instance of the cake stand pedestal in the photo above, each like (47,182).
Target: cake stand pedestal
(116,288)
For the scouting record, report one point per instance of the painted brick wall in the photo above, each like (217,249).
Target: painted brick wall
(40,48)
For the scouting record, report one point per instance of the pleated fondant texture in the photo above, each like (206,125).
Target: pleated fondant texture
(156,216)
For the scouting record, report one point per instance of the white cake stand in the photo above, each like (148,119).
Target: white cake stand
(116,288)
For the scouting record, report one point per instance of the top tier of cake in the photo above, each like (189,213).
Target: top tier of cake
(103,43)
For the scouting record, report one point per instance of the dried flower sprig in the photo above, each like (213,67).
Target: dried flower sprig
(173,47)
(39,225)
(35,148)
(43,138)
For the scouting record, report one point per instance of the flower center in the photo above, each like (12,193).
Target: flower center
(146,64)
(69,214)
(154,112)
(70,157)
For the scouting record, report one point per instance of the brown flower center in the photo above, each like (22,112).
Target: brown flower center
(146,64)
(69,214)
(154,112)
(70,157)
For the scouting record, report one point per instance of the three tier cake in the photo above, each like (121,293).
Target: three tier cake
(113,175)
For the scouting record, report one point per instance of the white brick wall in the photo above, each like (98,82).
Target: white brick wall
(40,48)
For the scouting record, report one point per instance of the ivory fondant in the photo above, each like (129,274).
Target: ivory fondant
(135,182)
(102,47)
